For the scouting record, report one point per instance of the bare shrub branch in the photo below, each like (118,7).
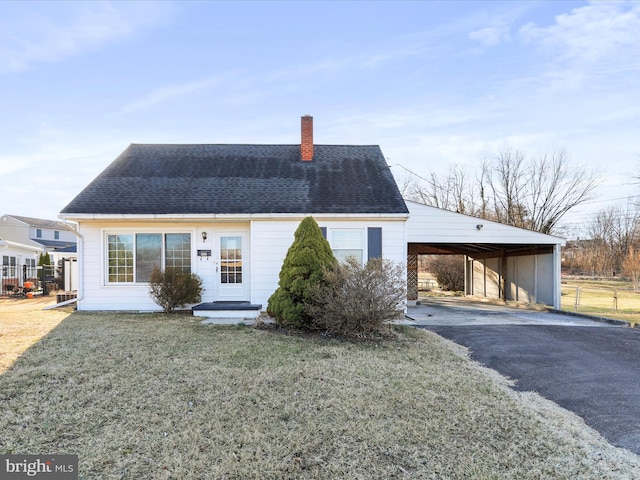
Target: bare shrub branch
(448,270)
(174,288)
(358,300)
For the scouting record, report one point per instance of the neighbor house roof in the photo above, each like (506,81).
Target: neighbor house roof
(57,244)
(235,179)
(41,223)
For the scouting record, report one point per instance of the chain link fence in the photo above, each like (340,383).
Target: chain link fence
(593,300)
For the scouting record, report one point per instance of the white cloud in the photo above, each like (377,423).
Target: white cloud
(593,48)
(57,31)
(590,33)
(491,36)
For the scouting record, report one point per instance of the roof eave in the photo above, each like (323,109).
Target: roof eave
(92,217)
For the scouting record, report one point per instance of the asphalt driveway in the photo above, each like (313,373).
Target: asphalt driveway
(590,368)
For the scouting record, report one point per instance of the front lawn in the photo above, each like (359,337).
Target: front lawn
(158,396)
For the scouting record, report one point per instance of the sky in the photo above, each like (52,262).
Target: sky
(433,83)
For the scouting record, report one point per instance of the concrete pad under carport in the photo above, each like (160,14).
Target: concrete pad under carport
(452,311)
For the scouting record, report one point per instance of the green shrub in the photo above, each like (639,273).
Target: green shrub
(308,257)
(174,288)
(43,261)
(357,300)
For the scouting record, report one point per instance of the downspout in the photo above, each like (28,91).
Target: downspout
(80,260)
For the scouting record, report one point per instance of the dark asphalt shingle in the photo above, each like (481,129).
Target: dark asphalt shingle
(201,179)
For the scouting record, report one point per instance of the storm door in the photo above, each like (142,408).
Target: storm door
(230,268)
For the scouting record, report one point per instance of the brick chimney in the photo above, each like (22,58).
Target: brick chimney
(306,144)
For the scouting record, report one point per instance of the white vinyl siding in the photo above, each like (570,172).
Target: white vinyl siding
(264,247)
(272,239)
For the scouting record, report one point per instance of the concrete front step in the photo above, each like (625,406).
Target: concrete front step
(227,310)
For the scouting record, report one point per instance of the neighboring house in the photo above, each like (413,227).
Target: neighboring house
(229,212)
(44,236)
(52,235)
(18,264)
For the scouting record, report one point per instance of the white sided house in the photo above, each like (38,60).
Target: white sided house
(18,264)
(229,212)
(50,236)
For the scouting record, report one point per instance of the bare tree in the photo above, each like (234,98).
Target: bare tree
(509,183)
(556,187)
(612,231)
(453,191)
(631,268)
(512,189)
(407,183)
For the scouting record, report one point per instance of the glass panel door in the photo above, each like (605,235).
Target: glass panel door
(230,259)
(230,267)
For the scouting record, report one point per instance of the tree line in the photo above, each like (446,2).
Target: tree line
(610,245)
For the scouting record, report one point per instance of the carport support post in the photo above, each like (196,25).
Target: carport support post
(503,274)
(557,276)
(412,278)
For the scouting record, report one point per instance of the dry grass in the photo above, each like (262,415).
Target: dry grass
(156,396)
(596,297)
(22,324)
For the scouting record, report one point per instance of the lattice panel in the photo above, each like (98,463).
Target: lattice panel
(412,277)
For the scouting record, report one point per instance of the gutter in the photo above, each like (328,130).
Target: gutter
(199,217)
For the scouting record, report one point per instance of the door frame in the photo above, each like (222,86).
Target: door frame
(242,291)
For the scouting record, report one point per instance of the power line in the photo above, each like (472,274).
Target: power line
(588,202)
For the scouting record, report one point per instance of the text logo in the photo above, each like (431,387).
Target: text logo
(47,467)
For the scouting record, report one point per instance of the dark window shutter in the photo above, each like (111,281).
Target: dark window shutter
(374,242)
(324,232)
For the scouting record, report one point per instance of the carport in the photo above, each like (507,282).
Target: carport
(501,261)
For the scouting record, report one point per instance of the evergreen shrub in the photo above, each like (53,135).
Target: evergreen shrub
(308,257)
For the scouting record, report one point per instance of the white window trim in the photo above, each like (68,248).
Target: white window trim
(363,237)
(133,231)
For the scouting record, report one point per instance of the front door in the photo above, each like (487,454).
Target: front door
(231,272)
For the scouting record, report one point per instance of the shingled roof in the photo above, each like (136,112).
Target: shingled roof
(242,179)
(41,222)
